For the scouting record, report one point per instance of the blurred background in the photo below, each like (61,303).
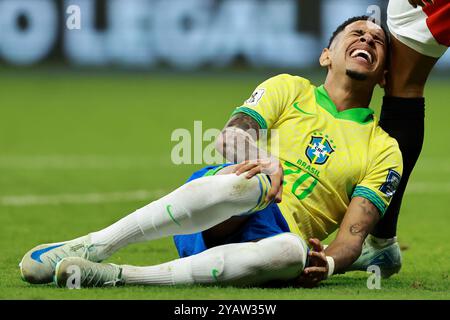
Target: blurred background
(176,34)
(92,90)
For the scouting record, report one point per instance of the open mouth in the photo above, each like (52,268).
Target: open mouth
(362,55)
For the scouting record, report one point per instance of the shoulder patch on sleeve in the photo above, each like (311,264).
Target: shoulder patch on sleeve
(391,184)
(255,97)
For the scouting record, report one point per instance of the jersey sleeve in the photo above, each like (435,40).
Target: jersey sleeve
(267,102)
(383,175)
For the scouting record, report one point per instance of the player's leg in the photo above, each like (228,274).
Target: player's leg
(408,71)
(402,117)
(278,258)
(419,37)
(195,206)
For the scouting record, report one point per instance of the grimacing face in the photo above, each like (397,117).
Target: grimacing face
(359,51)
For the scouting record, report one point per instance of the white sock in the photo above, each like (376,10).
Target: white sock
(380,242)
(194,207)
(281,257)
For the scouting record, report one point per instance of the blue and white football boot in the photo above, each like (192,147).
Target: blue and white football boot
(38,265)
(387,256)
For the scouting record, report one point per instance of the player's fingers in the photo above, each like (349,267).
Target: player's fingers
(271,194)
(311,276)
(254,171)
(274,189)
(316,261)
(314,271)
(315,243)
(279,195)
(238,166)
(276,181)
(320,256)
(246,167)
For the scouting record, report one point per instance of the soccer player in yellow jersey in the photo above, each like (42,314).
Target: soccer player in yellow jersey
(260,218)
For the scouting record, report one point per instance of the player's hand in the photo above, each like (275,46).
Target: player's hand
(421,3)
(317,269)
(270,167)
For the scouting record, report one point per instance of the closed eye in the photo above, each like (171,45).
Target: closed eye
(379,40)
(358,32)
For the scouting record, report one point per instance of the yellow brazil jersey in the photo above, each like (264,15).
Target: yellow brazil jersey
(328,156)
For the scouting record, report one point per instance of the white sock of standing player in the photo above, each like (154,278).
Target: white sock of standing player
(193,207)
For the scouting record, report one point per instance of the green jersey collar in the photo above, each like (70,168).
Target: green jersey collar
(359,115)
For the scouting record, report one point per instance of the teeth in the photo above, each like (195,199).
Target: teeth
(366,53)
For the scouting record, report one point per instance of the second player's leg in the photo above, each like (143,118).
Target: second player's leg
(408,72)
(402,117)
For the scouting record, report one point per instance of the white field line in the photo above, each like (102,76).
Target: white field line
(92,161)
(431,188)
(416,188)
(69,162)
(86,198)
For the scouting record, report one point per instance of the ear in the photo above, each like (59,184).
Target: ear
(382,82)
(325,60)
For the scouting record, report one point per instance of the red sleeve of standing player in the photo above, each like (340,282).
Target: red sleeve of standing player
(438,20)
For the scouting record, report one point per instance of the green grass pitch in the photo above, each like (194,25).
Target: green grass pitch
(78,151)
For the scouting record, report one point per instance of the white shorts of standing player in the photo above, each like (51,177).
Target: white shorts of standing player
(425,30)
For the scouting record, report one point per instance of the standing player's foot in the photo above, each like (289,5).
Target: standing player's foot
(77,272)
(38,264)
(385,255)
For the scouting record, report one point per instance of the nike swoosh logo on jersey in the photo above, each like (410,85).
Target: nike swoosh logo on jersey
(302,111)
(36,255)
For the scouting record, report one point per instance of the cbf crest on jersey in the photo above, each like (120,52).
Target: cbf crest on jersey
(319,149)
